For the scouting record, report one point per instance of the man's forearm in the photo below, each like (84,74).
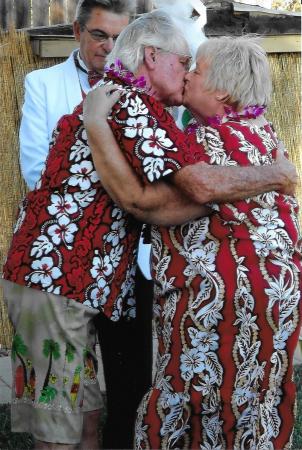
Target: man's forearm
(159,203)
(204,183)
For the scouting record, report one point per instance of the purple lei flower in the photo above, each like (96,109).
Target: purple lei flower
(248,112)
(117,70)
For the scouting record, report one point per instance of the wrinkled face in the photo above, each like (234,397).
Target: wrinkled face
(201,101)
(168,83)
(98,36)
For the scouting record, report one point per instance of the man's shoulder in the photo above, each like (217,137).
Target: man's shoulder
(50,72)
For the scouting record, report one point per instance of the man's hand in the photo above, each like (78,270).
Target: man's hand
(98,104)
(287,171)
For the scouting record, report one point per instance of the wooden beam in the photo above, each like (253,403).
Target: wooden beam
(62,46)
(53,47)
(282,44)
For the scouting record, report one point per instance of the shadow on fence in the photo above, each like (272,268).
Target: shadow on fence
(35,13)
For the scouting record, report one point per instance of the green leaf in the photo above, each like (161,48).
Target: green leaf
(48,394)
(18,346)
(70,351)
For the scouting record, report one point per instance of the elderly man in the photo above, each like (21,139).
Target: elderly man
(210,374)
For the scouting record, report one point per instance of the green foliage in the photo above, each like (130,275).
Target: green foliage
(51,347)
(18,346)
(70,351)
(48,394)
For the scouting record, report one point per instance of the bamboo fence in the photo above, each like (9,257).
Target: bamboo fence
(16,60)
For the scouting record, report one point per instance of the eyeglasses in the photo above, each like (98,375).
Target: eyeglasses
(100,36)
(185,60)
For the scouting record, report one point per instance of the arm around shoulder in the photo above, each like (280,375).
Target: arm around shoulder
(204,183)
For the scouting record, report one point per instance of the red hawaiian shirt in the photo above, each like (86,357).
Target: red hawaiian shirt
(70,238)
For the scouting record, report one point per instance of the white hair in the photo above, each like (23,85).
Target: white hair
(239,66)
(156,29)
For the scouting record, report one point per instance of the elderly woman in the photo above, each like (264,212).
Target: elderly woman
(228,310)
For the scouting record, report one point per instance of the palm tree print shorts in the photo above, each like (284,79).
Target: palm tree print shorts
(53,363)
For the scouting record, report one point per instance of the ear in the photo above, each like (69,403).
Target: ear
(76,30)
(150,57)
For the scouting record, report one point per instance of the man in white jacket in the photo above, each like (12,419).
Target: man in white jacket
(50,93)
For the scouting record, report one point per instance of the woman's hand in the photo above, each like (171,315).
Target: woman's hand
(99,102)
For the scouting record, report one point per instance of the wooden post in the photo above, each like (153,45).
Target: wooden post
(22,14)
(71,9)
(6,11)
(40,13)
(143,6)
(56,12)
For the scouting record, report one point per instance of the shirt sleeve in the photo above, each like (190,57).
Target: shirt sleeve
(33,136)
(149,137)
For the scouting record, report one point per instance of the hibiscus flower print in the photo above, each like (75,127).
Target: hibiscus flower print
(134,127)
(100,293)
(264,241)
(204,340)
(44,272)
(62,205)
(62,232)
(192,361)
(101,267)
(268,218)
(202,259)
(84,175)
(156,143)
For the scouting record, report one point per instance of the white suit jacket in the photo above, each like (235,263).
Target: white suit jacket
(49,94)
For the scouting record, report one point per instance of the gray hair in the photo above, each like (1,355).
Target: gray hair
(84,8)
(239,66)
(155,29)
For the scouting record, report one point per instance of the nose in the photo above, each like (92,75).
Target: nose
(108,44)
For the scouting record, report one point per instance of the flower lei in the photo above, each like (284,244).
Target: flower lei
(248,112)
(117,70)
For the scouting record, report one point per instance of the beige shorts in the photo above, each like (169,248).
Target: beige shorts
(54,364)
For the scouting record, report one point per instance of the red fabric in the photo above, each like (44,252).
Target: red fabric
(70,238)
(228,311)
